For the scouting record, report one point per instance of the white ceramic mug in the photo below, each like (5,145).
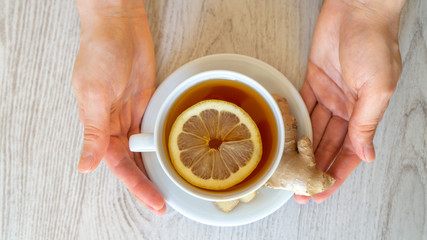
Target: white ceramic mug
(153,142)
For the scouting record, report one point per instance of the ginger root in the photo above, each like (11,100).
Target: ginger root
(297,170)
(227,206)
(248,197)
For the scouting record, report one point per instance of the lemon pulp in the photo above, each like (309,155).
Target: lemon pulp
(214,145)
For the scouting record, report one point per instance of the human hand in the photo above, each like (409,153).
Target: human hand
(353,69)
(113,79)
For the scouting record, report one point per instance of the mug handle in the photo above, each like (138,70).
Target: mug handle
(142,142)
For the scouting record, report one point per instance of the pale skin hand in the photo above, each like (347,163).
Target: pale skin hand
(113,79)
(353,69)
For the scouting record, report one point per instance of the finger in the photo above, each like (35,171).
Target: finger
(123,167)
(135,129)
(301,199)
(331,142)
(308,97)
(159,212)
(139,163)
(139,104)
(344,165)
(319,120)
(364,120)
(95,115)
(326,90)
(145,76)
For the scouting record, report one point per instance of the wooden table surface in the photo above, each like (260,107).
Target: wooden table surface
(42,196)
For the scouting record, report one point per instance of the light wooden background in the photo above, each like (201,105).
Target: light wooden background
(42,196)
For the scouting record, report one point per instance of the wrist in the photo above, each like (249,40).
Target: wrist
(96,9)
(375,14)
(393,8)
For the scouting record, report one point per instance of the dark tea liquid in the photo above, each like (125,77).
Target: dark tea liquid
(244,97)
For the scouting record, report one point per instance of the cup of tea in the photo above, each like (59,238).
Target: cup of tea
(231,87)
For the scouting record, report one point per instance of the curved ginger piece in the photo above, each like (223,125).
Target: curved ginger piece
(297,170)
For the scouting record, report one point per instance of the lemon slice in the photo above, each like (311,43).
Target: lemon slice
(214,144)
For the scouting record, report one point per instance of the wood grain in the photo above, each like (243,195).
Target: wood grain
(42,196)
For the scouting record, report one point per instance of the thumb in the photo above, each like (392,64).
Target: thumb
(95,116)
(367,113)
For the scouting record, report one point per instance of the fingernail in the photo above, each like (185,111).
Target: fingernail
(161,211)
(86,162)
(155,207)
(158,207)
(319,200)
(369,152)
(301,199)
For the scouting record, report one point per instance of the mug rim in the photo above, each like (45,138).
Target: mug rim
(191,82)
